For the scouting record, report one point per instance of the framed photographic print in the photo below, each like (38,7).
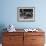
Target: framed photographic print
(26,14)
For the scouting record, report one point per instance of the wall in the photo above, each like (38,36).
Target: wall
(8,13)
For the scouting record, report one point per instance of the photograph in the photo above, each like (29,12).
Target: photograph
(26,14)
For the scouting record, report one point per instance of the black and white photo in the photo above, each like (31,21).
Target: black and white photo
(26,14)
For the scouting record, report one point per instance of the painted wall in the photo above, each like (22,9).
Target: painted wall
(9,13)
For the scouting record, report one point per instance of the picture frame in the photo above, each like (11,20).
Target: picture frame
(26,14)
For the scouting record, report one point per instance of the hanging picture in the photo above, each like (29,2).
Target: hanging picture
(26,14)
